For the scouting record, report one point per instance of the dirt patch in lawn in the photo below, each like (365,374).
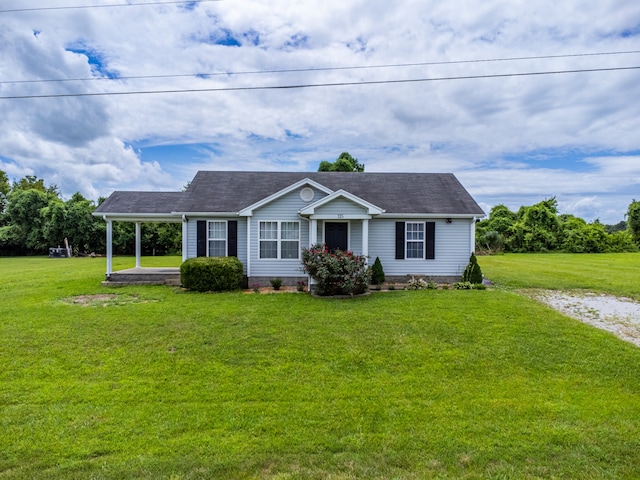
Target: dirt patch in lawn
(618,315)
(105,300)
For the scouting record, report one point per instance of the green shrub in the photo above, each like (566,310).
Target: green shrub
(463,285)
(473,273)
(336,273)
(377,272)
(276,283)
(417,284)
(211,274)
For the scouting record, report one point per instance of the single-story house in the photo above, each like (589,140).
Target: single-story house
(420,224)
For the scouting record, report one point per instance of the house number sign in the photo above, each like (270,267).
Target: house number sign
(341,215)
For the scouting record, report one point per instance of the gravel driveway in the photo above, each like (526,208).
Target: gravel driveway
(620,316)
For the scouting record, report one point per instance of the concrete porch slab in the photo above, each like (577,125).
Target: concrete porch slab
(144,276)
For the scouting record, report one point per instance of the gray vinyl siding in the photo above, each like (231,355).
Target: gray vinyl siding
(285,209)
(340,208)
(192,238)
(452,248)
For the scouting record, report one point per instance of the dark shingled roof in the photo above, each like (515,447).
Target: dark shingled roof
(403,193)
(144,203)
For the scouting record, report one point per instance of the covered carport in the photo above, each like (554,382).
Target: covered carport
(139,208)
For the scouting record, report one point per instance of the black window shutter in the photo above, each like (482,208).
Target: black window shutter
(202,238)
(399,240)
(431,240)
(232,238)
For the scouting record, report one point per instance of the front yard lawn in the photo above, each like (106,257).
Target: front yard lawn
(407,385)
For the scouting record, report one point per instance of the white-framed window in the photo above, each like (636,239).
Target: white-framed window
(217,238)
(279,240)
(414,238)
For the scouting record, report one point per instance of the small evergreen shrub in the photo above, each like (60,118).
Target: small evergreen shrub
(431,285)
(211,274)
(377,272)
(336,273)
(276,283)
(473,273)
(463,285)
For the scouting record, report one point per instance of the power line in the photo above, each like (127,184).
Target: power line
(71,7)
(323,69)
(316,85)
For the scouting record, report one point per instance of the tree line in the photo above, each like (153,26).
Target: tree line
(540,228)
(34,217)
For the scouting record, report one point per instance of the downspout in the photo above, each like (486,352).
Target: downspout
(312,230)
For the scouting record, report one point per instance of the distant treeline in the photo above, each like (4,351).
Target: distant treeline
(539,228)
(33,217)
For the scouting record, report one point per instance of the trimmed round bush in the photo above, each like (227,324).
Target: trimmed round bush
(211,274)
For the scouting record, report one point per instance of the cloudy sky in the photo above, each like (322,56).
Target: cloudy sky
(405,86)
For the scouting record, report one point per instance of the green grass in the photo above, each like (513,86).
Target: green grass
(406,385)
(614,273)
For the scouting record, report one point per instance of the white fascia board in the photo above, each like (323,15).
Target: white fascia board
(371,208)
(343,217)
(140,217)
(431,215)
(207,214)
(248,211)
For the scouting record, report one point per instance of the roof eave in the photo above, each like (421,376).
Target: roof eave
(432,215)
(141,217)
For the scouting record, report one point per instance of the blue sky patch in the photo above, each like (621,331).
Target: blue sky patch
(96,59)
(299,40)
(225,38)
(556,159)
(630,32)
(179,153)
(188,6)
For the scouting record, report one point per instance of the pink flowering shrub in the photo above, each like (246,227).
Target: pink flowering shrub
(336,273)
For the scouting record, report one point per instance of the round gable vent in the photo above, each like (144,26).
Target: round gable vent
(306,194)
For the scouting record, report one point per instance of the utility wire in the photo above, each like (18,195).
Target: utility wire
(144,4)
(316,85)
(323,69)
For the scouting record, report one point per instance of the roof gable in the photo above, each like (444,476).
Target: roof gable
(248,211)
(369,207)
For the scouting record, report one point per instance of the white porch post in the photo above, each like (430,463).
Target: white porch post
(473,235)
(184,238)
(365,239)
(313,234)
(249,243)
(109,247)
(138,244)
